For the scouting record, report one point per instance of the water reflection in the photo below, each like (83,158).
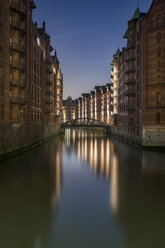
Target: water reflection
(83,190)
(136,185)
(92,148)
(30,188)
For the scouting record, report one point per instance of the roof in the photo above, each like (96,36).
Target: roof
(112,63)
(103,88)
(126,35)
(117,54)
(136,14)
(55,58)
(85,94)
(97,88)
(33,6)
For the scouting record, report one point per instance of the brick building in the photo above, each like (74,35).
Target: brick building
(69,110)
(133,103)
(141,99)
(31,84)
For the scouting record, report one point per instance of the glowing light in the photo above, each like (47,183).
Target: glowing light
(102,157)
(114,185)
(95,155)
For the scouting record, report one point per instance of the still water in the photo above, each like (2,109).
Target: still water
(83,191)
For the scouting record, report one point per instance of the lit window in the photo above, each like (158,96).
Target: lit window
(38,41)
(11,41)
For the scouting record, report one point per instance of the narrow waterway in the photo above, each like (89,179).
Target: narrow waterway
(83,190)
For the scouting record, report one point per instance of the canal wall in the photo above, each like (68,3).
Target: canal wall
(149,137)
(15,139)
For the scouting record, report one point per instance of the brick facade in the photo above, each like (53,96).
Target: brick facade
(31,83)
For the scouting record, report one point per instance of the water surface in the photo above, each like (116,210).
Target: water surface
(83,190)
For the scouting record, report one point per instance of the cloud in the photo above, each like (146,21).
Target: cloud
(76,32)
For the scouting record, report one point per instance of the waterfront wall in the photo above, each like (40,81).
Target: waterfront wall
(151,137)
(17,138)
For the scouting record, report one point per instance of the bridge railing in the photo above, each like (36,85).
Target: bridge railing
(85,122)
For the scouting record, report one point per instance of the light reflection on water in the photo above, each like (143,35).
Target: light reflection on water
(83,190)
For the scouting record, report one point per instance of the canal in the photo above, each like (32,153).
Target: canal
(83,190)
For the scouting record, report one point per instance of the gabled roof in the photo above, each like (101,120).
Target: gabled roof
(32,4)
(112,63)
(55,58)
(117,54)
(126,35)
(136,14)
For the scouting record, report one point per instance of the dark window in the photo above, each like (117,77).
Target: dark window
(158,66)
(159,21)
(1,53)
(158,79)
(158,37)
(158,98)
(2,112)
(159,51)
(1,90)
(157,118)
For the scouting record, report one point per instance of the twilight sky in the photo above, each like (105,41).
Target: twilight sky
(86,34)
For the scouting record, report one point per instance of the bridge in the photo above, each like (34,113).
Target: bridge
(87,123)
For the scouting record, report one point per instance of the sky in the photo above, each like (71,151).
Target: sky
(86,34)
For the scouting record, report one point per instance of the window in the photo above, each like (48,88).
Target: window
(11,41)
(158,98)
(158,37)
(135,52)
(157,118)
(2,111)
(159,51)
(0,33)
(11,59)
(135,75)
(1,90)
(159,21)
(1,53)
(158,66)
(158,79)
